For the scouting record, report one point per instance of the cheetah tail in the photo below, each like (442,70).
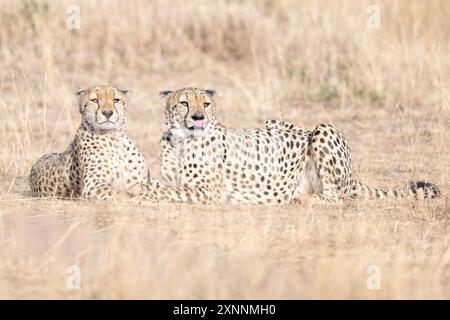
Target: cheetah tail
(416,190)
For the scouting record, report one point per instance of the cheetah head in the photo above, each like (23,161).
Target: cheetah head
(103,108)
(190,111)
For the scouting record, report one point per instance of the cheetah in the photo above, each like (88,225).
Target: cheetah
(101,162)
(204,161)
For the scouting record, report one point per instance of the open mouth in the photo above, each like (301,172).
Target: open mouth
(198,125)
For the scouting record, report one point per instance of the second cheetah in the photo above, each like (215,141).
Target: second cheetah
(203,161)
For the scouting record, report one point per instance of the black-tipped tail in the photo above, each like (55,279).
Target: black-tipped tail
(416,190)
(428,190)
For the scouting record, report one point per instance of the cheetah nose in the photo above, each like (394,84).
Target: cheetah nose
(107,113)
(198,116)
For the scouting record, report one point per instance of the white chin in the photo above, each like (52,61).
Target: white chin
(184,132)
(107,126)
(197,132)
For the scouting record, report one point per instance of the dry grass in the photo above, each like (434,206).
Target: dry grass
(307,62)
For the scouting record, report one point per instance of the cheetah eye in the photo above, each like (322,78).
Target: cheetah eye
(116,100)
(94,100)
(184,103)
(206,104)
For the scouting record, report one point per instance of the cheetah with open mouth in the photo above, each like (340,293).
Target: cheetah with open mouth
(203,161)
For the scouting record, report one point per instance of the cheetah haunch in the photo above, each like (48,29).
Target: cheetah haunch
(101,162)
(203,161)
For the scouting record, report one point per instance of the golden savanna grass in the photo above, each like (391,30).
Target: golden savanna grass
(303,61)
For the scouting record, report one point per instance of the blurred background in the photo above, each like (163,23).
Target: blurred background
(304,61)
(379,70)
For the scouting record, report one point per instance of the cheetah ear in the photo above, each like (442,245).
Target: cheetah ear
(127,93)
(165,93)
(211,92)
(80,94)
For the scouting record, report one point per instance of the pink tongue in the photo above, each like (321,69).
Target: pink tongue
(198,123)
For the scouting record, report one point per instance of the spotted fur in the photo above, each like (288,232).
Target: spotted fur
(204,161)
(101,162)
(330,159)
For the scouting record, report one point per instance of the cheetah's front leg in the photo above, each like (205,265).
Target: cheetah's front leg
(311,199)
(95,189)
(177,194)
(169,159)
(95,185)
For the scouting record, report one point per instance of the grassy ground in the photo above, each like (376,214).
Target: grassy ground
(306,62)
